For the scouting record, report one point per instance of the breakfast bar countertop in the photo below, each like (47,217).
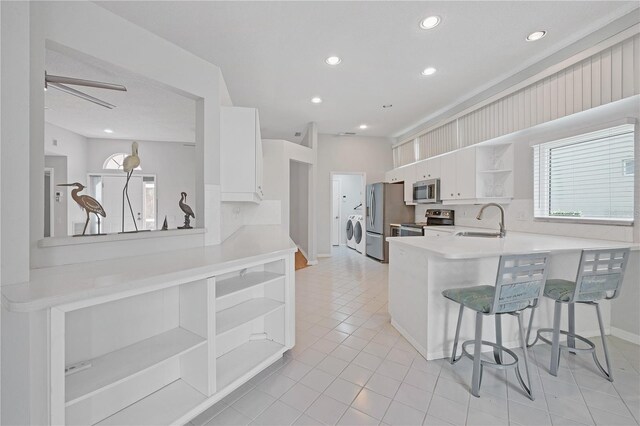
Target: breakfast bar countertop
(459,247)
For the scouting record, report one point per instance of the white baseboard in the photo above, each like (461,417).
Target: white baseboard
(625,335)
(324,254)
(312,262)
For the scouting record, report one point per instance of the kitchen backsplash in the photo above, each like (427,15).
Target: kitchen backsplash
(519,217)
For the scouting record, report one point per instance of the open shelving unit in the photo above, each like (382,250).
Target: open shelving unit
(250,321)
(494,172)
(110,369)
(162,356)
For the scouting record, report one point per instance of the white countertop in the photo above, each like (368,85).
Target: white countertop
(452,247)
(70,283)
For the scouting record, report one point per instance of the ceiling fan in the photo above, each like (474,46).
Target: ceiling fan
(60,83)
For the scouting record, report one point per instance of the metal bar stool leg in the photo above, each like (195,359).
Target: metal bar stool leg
(555,341)
(571,340)
(497,351)
(533,310)
(609,373)
(523,343)
(477,354)
(453,359)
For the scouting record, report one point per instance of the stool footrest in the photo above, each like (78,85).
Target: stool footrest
(497,349)
(591,345)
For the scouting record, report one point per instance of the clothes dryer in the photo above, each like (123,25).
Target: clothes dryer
(351,242)
(359,234)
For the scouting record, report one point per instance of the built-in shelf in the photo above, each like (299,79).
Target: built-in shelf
(114,367)
(166,406)
(241,360)
(244,312)
(233,285)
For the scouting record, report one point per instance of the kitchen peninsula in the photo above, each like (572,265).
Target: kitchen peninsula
(420,268)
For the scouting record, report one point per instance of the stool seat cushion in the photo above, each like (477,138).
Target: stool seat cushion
(479,298)
(563,291)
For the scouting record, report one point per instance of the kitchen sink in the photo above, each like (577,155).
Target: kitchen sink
(477,234)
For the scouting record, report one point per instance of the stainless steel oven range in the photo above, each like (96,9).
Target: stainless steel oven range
(434,217)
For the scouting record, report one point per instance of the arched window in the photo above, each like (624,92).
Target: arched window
(114,162)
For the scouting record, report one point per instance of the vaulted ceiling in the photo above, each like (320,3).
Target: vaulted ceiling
(272,53)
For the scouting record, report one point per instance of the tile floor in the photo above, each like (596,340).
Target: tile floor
(351,367)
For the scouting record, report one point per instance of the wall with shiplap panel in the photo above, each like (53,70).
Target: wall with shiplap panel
(438,141)
(607,76)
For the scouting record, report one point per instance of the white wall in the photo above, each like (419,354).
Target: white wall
(299,204)
(173,164)
(75,148)
(361,154)
(84,28)
(27,28)
(350,196)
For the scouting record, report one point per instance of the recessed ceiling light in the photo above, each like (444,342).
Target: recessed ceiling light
(363,126)
(428,71)
(430,22)
(387,106)
(333,60)
(108,131)
(316,100)
(536,35)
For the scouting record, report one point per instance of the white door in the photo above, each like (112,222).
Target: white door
(335,218)
(112,203)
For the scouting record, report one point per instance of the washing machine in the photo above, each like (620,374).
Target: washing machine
(351,241)
(359,234)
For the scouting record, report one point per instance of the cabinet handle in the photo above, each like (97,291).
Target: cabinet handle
(452,194)
(458,193)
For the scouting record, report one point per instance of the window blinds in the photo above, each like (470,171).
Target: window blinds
(586,176)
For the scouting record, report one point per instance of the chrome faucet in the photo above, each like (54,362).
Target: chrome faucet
(503,230)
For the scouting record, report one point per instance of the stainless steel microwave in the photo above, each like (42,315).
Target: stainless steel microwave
(426,191)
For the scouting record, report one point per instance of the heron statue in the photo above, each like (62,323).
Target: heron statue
(87,203)
(129,164)
(187,211)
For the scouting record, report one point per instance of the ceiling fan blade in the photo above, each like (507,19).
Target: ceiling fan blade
(81,95)
(80,82)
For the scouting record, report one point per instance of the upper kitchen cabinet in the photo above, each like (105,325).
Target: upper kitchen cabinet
(409,175)
(428,169)
(457,175)
(241,154)
(394,176)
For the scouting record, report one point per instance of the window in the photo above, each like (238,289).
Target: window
(586,177)
(114,162)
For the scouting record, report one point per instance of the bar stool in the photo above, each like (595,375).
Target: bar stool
(518,286)
(600,275)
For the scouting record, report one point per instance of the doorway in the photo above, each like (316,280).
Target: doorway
(107,189)
(347,196)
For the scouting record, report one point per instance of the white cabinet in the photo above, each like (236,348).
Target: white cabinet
(428,169)
(162,355)
(457,175)
(240,155)
(394,176)
(409,175)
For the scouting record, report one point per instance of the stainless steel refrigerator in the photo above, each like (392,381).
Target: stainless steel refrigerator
(385,205)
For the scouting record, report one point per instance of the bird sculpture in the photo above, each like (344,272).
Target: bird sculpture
(87,203)
(187,211)
(129,164)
